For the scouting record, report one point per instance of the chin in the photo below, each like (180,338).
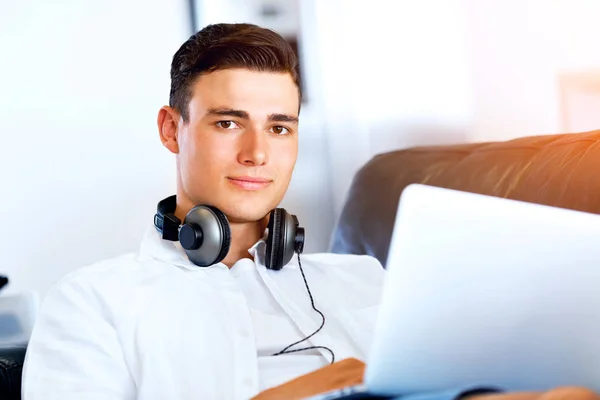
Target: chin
(241,217)
(248,207)
(246,212)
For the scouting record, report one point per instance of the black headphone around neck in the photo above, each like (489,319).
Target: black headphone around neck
(206,237)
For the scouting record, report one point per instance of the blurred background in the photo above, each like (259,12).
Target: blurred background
(81,82)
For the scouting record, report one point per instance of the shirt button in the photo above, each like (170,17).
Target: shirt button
(247,381)
(244,333)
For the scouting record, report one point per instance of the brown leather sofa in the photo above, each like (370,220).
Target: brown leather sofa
(557,170)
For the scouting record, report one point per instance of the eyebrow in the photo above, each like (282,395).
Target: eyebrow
(229,112)
(282,118)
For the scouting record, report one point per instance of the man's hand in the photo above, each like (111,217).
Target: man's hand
(350,372)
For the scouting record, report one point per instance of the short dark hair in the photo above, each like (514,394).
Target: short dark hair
(223,46)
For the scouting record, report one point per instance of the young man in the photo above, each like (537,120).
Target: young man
(155,325)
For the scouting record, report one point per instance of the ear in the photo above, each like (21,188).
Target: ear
(168,123)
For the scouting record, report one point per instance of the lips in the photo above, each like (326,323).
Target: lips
(249,182)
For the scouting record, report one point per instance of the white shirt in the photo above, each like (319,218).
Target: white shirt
(152,325)
(274,330)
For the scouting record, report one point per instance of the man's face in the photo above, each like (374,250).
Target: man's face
(239,149)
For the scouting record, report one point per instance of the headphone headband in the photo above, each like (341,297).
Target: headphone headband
(165,220)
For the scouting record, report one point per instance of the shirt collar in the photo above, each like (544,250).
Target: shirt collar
(259,252)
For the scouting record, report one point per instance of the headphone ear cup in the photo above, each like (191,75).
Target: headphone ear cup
(275,240)
(226,233)
(205,236)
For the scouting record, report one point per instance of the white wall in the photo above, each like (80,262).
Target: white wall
(518,48)
(81,164)
(286,22)
(405,73)
(394,75)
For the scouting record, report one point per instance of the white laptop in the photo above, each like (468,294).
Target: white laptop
(484,291)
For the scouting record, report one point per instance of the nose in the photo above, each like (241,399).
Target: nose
(254,148)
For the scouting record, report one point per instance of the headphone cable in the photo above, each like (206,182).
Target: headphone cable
(312,302)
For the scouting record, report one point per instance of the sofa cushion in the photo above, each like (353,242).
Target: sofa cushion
(556,170)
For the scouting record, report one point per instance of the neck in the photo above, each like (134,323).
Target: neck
(243,236)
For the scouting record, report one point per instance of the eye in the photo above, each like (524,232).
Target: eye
(280,130)
(227,125)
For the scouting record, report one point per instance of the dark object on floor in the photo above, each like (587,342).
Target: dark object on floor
(11,368)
